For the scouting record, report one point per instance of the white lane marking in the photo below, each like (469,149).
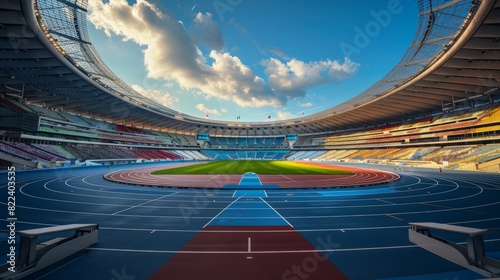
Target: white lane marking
(270,251)
(385,201)
(139,205)
(276,212)
(468,222)
(174,217)
(207,217)
(221,211)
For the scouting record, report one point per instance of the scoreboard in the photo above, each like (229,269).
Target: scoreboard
(291,137)
(202,137)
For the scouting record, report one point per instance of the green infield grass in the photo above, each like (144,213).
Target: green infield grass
(256,166)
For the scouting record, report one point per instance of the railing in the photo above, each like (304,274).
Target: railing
(34,256)
(472,256)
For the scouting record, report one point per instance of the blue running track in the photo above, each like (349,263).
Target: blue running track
(362,231)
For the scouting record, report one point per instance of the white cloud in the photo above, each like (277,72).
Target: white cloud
(307,104)
(169,85)
(169,49)
(237,82)
(206,110)
(206,31)
(158,96)
(279,52)
(284,115)
(293,77)
(171,54)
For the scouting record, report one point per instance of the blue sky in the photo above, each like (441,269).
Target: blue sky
(252,59)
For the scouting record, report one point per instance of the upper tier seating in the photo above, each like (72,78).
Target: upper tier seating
(246,142)
(246,154)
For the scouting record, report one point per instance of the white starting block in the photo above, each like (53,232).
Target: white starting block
(472,256)
(34,256)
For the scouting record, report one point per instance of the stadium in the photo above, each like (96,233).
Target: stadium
(100,182)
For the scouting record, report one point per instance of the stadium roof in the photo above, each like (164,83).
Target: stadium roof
(47,57)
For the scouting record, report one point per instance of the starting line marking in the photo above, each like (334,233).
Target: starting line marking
(249,248)
(257,252)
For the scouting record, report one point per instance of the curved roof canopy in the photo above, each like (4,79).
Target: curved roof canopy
(46,55)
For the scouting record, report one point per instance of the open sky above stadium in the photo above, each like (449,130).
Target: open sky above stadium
(251,60)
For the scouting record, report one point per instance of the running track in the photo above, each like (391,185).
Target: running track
(362,231)
(361,177)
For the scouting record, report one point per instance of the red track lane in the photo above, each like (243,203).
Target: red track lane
(361,177)
(218,253)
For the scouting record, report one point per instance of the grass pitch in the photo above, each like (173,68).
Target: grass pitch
(260,167)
